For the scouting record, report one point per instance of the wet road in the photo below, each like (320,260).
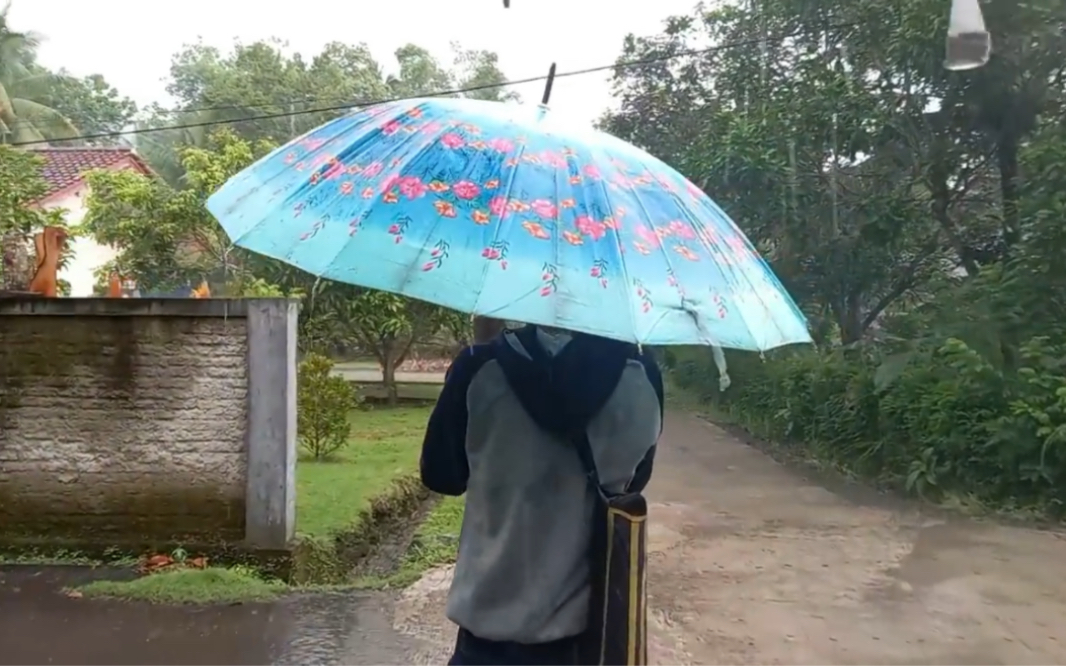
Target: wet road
(750,562)
(40,625)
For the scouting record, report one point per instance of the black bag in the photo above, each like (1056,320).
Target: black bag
(617,632)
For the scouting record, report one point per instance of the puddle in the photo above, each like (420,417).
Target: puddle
(40,625)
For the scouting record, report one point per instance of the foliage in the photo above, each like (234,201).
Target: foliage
(90,103)
(166,237)
(23,118)
(297,92)
(20,173)
(915,214)
(324,402)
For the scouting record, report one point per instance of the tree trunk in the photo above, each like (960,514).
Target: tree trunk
(1007,161)
(388,377)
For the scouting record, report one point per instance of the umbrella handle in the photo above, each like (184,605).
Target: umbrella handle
(548,86)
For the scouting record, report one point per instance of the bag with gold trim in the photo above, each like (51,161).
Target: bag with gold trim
(617,632)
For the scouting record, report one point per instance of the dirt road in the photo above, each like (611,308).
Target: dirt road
(751,563)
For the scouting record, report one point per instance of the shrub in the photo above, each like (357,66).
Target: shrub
(940,418)
(324,402)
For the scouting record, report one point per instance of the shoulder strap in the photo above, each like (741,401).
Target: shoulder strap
(580,440)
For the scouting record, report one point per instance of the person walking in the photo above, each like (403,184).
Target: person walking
(543,430)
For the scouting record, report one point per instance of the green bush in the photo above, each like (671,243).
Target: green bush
(324,402)
(936,419)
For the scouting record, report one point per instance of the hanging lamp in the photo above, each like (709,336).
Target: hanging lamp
(969,44)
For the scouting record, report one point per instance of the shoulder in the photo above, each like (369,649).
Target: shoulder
(468,361)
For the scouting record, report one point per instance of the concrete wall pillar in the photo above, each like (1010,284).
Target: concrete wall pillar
(270,516)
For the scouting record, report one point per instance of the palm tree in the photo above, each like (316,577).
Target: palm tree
(21,118)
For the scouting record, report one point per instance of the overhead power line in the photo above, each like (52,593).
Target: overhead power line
(617,65)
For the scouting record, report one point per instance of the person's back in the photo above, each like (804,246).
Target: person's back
(500,432)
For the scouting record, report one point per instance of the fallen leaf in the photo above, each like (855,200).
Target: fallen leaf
(74,594)
(197,563)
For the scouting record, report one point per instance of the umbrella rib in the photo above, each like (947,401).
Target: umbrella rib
(747,278)
(504,218)
(622,257)
(413,266)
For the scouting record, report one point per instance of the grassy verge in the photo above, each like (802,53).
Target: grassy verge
(435,543)
(213,585)
(340,503)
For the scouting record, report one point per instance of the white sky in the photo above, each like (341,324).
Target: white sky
(131,43)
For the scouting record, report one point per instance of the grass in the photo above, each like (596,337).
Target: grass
(213,585)
(384,446)
(331,497)
(406,391)
(435,543)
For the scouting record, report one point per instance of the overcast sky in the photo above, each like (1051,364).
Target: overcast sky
(131,42)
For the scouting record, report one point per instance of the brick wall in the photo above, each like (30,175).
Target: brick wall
(123,428)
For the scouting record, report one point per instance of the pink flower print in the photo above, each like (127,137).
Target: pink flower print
(465,189)
(649,237)
(346,187)
(498,206)
(590,227)
(391,127)
(681,230)
(598,271)
(372,169)
(388,182)
(554,160)
(290,158)
(549,279)
(644,295)
(501,145)
(335,170)
(452,140)
(592,171)
(412,187)
(437,256)
(497,251)
(544,208)
(431,127)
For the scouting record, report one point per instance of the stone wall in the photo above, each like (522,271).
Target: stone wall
(131,421)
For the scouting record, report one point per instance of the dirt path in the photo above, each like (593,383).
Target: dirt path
(753,564)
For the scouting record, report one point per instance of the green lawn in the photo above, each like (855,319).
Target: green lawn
(384,445)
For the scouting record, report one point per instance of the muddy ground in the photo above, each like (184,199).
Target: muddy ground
(753,562)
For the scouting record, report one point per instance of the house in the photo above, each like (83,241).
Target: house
(64,172)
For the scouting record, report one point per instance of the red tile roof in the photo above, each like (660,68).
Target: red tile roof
(65,167)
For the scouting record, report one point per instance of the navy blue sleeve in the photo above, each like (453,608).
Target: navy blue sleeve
(642,475)
(443,465)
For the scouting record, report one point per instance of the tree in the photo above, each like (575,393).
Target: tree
(166,238)
(324,402)
(90,103)
(858,165)
(20,173)
(22,117)
(298,93)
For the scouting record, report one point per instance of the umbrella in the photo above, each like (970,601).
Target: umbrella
(505,211)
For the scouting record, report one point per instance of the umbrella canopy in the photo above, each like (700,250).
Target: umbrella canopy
(501,210)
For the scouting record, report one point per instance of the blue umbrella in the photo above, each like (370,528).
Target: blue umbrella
(501,210)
